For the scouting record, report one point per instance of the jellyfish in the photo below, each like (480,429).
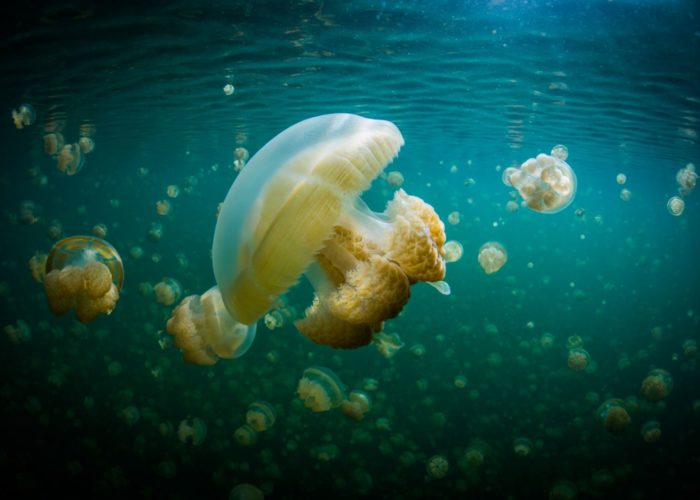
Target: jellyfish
(55,230)
(356,406)
(437,466)
(453,251)
(454,218)
(675,206)
(18,333)
(625,194)
(651,431)
(173,191)
(657,385)
(492,256)
(163,207)
(690,348)
(522,446)
(578,359)
(53,143)
(168,291)
(37,266)
(546,183)
(613,415)
(621,178)
(99,230)
(395,178)
(475,454)
(245,491)
(388,344)
(24,116)
(261,415)
(28,213)
(574,341)
(687,179)
(83,273)
(86,144)
(155,233)
(70,159)
(229,90)
(320,389)
(240,157)
(202,327)
(295,209)
(245,435)
(192,431)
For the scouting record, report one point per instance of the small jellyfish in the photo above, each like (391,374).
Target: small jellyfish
(192,431)
(87,145)
(395,178)
(136,252)
(240,158)
(388,344)
(522,446)
(100,230)
(172,191)
(675,206)
(55,230)
(651,431)
(437,466)
(356,406)
(454,218)
(37,266)
(574,341)
(155,233)
(687,179)
(546,340)
(547,184)
(229,89)
(657,385)
(168,291)
(261,415)
(453,251)
(83,273)
(71,159)
(625,194)
(578,359)
(621,178)
(202,326)
(492,256)
(273,319)
(512,206)
(245,435)
(19,332)
(320,389)
(24,116)
(560,152)
(163,207)
(613,415)
(690,348)
(28,213)
(53,143)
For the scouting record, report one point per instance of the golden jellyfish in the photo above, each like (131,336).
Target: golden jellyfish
(23,116)
(203,329)
(70,159)
(245,435)
(99,230)
(675,206)
(53,143)
(560,152)
(86,144)
(320,389)
(388,344)
(163,207)
(192,431)
(687,179)
(651,431)
(240,157)
(453,251)
(172,191)
(578,359)
(37,266)
(261,415)
(657,385)
(492,256)
(273,319)
(55,230)
(395,178)
(437,466)
(454,218)
(229,89)
(83,273)
(168,291)
(295,209)
(613,415)
(546,183)
(28,213)
(356,406)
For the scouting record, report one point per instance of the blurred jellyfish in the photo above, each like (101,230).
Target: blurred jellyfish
(37,266)
(578,359)
(55,230)
(388,344)
(261,415)
(28,213)
(657,385)
(546,340)
(99,230)
(395,178)
(295,209)
(492,256)
(651,431)
(163,207)
(370,384)
(325,453)
(475,453)
(356,406)
(192,431)
(613,415)
(560,152)
(168,291)
(19,332)
(625,194)
(136,252)
(229,90)
(574,341)
(453,251)
(675,206)
(320,389)
(130,415)
(437,466)
(273,319)
(53,143)
(690,348)
(84,273)
(70,160)
(202,326)
(687,179)
(621,178)
(172,191)
(546,183)
(512,206)
(418,350)
(245,435)
(24,116)
(240,158)
(453,218)
(563,490)
(86,144)
(460,382)
(155,233)
(245,491)
(522,446)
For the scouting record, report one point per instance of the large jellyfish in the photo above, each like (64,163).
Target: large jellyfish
(205,331)
(84,273)
(295,209)
(546,183)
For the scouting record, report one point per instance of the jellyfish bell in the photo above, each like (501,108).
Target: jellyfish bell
(205,331)
(168,291)
(453,251)
(295,209)
(261,415)
(356,406)
(245,491)
(23,116)
(437,466)
(53,143)
(657,385)
(320,389)
(86,144)
(613,415)
(192,431)
(675,206)
(578,359)
(522,446)
(83,273)
(651,431)
(70,159)
(245,435)
(492,256)
(388,344)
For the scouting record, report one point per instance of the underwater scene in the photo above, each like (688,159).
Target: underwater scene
(368,249)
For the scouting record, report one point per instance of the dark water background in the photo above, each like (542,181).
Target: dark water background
(478,85)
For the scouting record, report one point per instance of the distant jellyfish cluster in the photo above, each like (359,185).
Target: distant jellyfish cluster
(320,389)
(657,385)
(203,329)
(546,183)
(23,116)
(70,157)
(492,256)
(83,273)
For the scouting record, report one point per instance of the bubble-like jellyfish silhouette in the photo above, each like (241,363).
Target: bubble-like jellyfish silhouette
(83,273)
(295,209)
(261,415)
(492,256)
(522,446)
(657,385)
(546,183)
(205,331)
(320,389)
(37,266)
(613,415)
(70,159)
(675,206)
(193,431)
(23,116)
(357,405)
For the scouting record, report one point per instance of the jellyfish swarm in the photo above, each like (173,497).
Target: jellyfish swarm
(206,332)
(83,273)
(295,209)
(320,389)
(546,183)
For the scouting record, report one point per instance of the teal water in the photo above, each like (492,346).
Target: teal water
(475,87)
